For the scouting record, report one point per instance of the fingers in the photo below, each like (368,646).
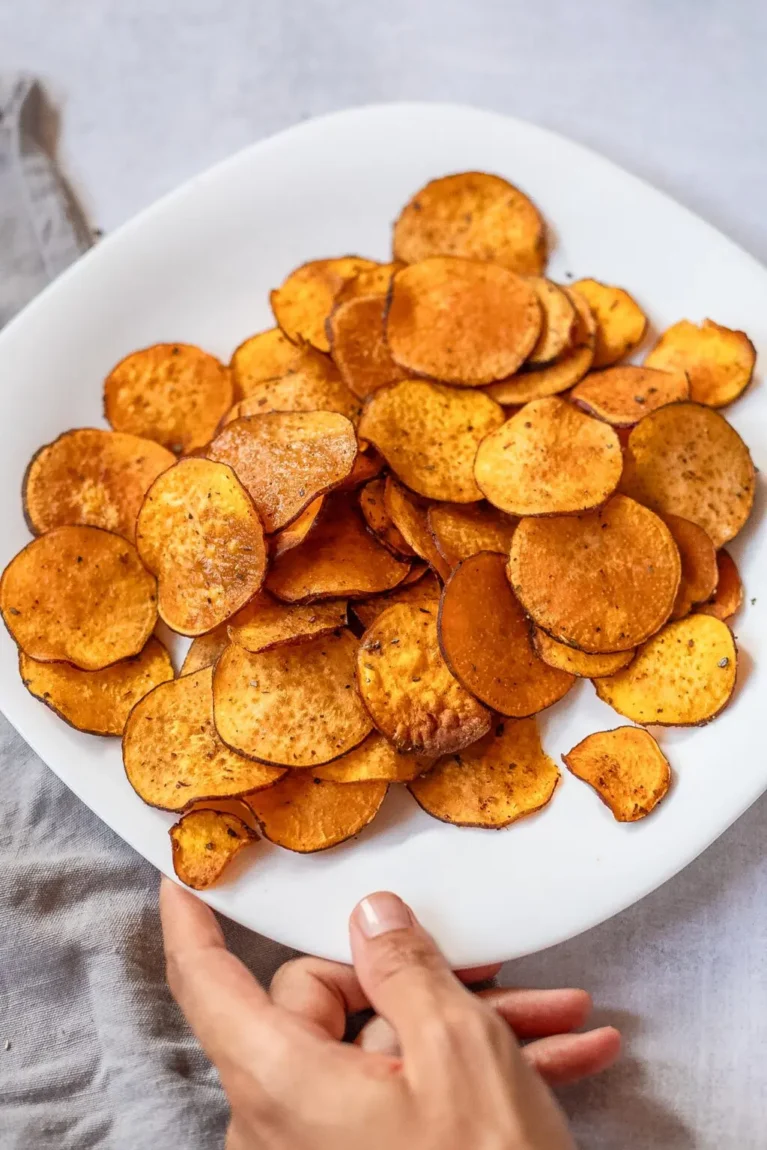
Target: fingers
(321,992)
(535,1013)
(565,1058)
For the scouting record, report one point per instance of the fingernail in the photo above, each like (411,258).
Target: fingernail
(379,913)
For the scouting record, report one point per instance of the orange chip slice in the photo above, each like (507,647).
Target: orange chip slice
(358,347)
(728,597)
(367,465)
(621,323)
(718,360)
(461,530)
(626,768)
(316,386)
(378,519)
(557,322)
(295,532)
(409,515)
(264,623)
(204,842)
(699,569)
(580,663)
(374,281)
(205,649)
(306,814)
(304,301)
(271,355)
(624,395)
(424,592)
(375,760)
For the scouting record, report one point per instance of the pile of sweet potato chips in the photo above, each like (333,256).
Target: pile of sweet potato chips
(396,526)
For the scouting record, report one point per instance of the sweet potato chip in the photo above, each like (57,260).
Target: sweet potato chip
(370,281)
(200,533)
(367,465)
(79,595)
(464,529)
(411,695)
(557,322)
(626,768)
(602,581)
(624,395)
(699,569)
(418,568)
(579,663)
(429,435)
(305,300)
(461,321)
(306,814)
(265,623)
(172,393)
(424,592)
(204,842)
(271,355)
(375,760)
(315,386)
(205,649)
(498,780)
(728,596)
(408,514)
(718,360)
(91,478)
(292,706)
(681,677)
(621,323)
(379,521)
(686,460)
(173,755)
(476,215)
(296,531)
(358,347)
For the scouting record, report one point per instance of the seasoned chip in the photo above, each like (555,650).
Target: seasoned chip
(204,842)
(699,570)
(549,459)
(271,355)
(173,755)
(557,322)
(624,395)
(305,300)
(205,649)
(476,215)
(378,519)
(292,706)
(199,532)
(728,596)
(626,768)
(686,460)
(358,347)
(370,281)
(411,695)
(408,513)
(718,360)
(602,581)
(172,393)
(580,663)
(296,531)
(367,465)
(461,530)
(306,814)
(424,592)
(375,760)
(461,321)
(315,386)
(79,595)
(91,478)
(265,623)
(500,779)
(621,323)
(418,568)
(681,677)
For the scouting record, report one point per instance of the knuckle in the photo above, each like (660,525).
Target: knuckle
(288,973)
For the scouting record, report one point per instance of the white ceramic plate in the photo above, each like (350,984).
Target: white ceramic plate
(198,267)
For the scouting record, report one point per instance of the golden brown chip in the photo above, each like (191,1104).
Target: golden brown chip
(418,568)
(292,706)
(173,755)
(370,281)
(681,677)
(549,459)
(411,695)
(204,842)
(367,465)
(91,478)
(476,215)
(409,515)
(200,533)
(305,300)
(306,814)
(621,323)
(557,322)
(626,768)
(265,623)
(624,395)
(205,649)
(602,581)
(718,360)
(580,663)
(378,519)
(424,592)
(271,355)
(296,531)
(500,779)
(429,435)
(686,460)
(358,347)
(375,760)
(699,569)
(461,530)
(461,321)
(728,596)
(172,393)
(79,595)
(316,386)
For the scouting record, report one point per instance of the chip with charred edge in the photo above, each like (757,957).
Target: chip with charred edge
(79,595)
(306,814)
(204,842)
(378,519)
(685,459)
(501,778)
(173,393)
(621,323)
(406,685)
(408,514)
(475,215)
(718,360)
(557,322)
(271,355)
(484,636)
(200,533)
(316,386)
(424,592)
(358,347)
(91,478)
(173,755)
(429,434)
(375,760)
(624,395)
(580,663)
(728,596)
(265,623)
(370,281)
(295,532)
(461,321)
(418,568)
(205,649)
(549,459)
(601,581)
(699,569)
(367,465)
(305,299)
(626,768)
(461,530)
(97,702)
(681,677)
(292,706)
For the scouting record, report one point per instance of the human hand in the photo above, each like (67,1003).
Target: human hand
(456,1077)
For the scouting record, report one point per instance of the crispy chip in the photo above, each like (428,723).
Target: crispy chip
(316,386)
(172,393)
(375,760)
(409,514)
(265,623)
(418,568)
(305,300)
(296,531)
(549,459)
(624,395)
(686,460)
(621,323)
(718,360)
(79,595)
(728,596)
(205,649)
(476,215)
(557,322)
(500,779)
(699,569)
(626,768)
(602,581)
(370,281)
(461,321)
(378,519)
(429,435)
(424,592)
(204,842)
(173,755)
(306,814)
(579,663)
(358,347)
(199,532)
(461,530)
(367,465)
(681,677)
(411,695)
(271,355)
